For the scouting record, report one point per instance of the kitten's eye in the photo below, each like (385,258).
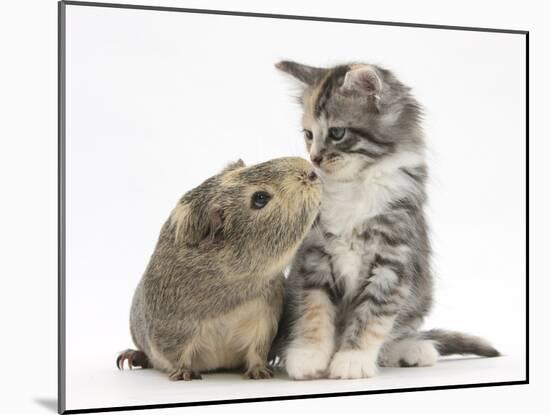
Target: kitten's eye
(336,133)
(259,200)
(309,134)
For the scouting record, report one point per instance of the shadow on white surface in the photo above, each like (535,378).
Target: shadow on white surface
(48,403)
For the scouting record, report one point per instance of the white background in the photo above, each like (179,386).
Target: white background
(29,177)
(158,101)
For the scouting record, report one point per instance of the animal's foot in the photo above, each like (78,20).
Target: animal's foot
(304,363)
(135,358)
(259,372)
(184,374)
(353,364)
(410,353)
(422,353)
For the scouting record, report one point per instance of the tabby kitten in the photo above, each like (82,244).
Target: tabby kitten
(360,285)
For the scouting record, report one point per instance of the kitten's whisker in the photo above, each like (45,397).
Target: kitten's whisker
(318,229)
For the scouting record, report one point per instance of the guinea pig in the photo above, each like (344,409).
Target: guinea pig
(212,294)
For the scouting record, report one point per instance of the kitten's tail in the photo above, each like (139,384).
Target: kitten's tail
(453,342)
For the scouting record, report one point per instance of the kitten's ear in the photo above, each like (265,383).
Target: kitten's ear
(363,79)
(306,74)
(193,222)
(233,166)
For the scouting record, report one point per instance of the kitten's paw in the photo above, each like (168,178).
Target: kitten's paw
(306,363)
(421,353)
(353,364)
(410,353)
(259,372)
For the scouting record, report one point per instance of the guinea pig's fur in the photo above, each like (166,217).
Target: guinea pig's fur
(211,296)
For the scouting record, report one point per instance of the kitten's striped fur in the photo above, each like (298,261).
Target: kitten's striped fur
(360,285)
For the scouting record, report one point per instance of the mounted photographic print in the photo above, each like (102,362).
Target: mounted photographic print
(258,207)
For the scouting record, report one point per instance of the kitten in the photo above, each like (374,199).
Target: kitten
(360,284)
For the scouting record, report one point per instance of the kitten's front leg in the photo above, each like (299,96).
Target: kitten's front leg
(312,336)
(371,316)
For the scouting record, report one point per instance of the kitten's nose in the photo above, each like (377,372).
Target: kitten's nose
(317,159)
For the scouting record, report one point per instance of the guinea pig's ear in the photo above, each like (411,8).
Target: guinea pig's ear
(193,223)
(215,223)
(308,75)
(233,166)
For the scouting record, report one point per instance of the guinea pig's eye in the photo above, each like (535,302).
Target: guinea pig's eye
(308,134)
(336,133)
(260,199)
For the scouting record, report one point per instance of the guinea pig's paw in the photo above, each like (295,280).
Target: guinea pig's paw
(184,374)
(353,364)
(303,363)
(259,372)
(135,358)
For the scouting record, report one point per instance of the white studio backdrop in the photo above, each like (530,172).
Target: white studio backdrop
(159,101)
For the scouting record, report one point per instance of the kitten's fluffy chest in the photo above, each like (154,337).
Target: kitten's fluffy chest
(346,209)
(349,256)
(345,213)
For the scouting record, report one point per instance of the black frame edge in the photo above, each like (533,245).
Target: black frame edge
(61,378)
(61,208)
(527,122)
(292,397)
(292,17)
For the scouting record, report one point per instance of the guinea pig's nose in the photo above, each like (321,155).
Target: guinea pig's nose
(312,176)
